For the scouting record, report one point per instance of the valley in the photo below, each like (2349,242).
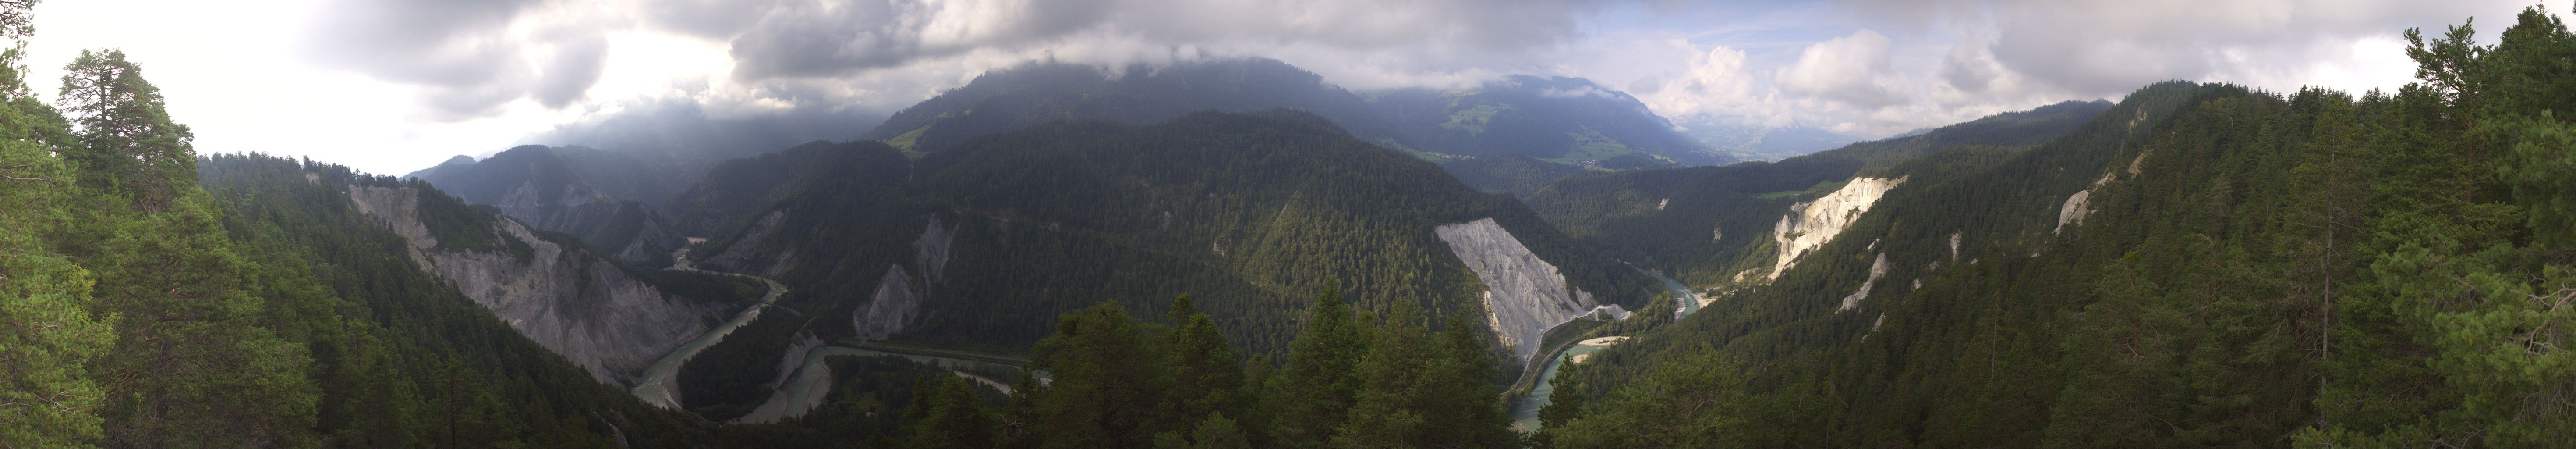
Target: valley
(1001,231)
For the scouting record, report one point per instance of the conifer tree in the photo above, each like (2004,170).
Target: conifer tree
(127,142)
(1100,397)
(49,334)
(950,416)
(1205,376)
(1419,390)
(1311,395)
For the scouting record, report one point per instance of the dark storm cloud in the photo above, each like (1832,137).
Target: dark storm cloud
(460,51)
(683,127)
(576,67)
(415,41)
(712,19)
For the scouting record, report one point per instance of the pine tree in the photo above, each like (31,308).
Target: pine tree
(1100,397)
(1205,376)
(128,143)
(1312,394)
(1213,432)
(950,416)
(1424,390)
(49,335)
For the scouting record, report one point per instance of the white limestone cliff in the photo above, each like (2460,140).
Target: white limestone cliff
(568,300)
(1812,224)
(1524,295)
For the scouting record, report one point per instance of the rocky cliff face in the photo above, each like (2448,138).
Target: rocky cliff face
(1876,270)
(626,230)
(1524,296)
(898,296)
(567,299)
(1811,224)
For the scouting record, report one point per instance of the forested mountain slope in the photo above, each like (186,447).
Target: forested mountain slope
(1708,225)
(1564,121)
(1028,95)
(2251,269)
(139,310)
(982,245)
(1512,135)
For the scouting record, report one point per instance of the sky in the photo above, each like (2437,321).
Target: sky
(391,86)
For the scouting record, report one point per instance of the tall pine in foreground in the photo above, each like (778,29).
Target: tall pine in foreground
(49,330)
(1314,391)
(2456,328)
(195,363)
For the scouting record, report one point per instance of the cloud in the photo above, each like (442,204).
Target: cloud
(829,38)
(467,57)
(577,67)
(686,127)
(1867,67)
(1576,92)
(711,19)
(1882,66)
(2102,47)
(1850,68)
(1716,83)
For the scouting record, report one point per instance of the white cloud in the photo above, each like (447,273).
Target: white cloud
(1716,84)
(1851,69)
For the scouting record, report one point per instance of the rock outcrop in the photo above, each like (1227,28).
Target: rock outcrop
(2073,210)
(567,299)
(1876,270)
(898,295)
(890,308)
(1524,296)
(1811,224)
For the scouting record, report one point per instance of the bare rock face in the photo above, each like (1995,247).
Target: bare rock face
(898,296)
(2073,210)
(1876,270)
(1524,296)
(1812,224)
(891,306)
(568,300)
(930,251)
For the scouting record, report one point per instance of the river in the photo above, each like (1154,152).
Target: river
(813,378)
(660,383)
(1525,412)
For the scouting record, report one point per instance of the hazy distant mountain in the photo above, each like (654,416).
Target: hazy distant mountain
(1567,124)
(1564,121)
(1756,143)
(602,198)
(1019,97)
